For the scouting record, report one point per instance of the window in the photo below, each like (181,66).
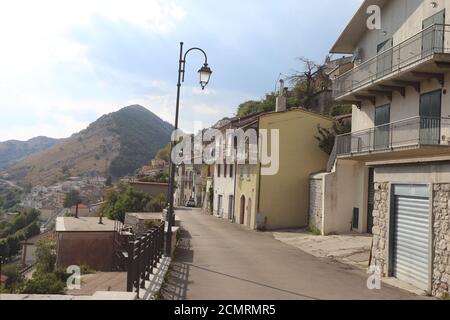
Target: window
(225,170)
(218,170)
(382,127)
(231,170)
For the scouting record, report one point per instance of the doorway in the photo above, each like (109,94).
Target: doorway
(382,127)
(242,213)
(384,58)
(371,200)
(433,34)
(430,117)
(249,213)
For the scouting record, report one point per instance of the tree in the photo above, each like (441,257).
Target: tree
(266,104)
(157,204)
(122,199)
(341,110)
(108,182)
(72,198)
(307,82)
(45,256)
(4,248)
(164,153)
(160,177)
(327,137)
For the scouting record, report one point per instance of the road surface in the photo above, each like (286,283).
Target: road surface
(218,260)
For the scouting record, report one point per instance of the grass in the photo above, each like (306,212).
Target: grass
(314,230)
(446,297)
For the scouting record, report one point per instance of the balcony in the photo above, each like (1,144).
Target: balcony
(413,137)
(423,55)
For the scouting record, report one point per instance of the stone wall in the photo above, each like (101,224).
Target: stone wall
(441,242)
(315,202)
(380,227)
(441,234)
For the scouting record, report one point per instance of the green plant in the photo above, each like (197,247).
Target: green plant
(327,136)
(45,256)
(314,230)
(43,283)
(86,270)
(15,279)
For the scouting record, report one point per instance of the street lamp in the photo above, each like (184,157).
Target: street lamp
(205,75)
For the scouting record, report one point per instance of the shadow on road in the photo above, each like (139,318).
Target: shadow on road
(176,285)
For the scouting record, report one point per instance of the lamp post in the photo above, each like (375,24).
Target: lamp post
(205,74)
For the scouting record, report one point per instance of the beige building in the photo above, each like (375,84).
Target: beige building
(280,199)
(397,157)
(283,198)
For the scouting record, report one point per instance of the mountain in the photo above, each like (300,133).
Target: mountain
(116,144)
(13,150)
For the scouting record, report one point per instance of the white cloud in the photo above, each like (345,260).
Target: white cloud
(37,52)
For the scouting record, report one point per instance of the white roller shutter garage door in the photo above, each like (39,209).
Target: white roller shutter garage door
(411,235)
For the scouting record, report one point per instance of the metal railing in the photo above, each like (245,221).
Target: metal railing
(401,134)
(143,256)
(420,46)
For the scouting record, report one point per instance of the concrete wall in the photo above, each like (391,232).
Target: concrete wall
(400,19)
(344,190)
(247,186)
(414,174)
(284,197)
(71,250)
(152,189)
(402,108)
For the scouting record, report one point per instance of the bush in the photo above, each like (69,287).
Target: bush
(124,199)
(43,283)
(14,277)
(86,270)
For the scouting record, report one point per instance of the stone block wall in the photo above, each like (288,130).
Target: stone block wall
(380,227)
(315,202)
(441,242)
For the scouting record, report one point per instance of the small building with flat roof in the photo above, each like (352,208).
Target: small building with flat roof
(86,241)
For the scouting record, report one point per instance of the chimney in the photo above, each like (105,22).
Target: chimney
(281,99)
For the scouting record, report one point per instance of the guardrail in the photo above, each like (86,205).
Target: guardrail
(143,256)
(420,46)
(404,133)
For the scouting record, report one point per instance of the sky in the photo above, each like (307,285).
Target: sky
(63,64)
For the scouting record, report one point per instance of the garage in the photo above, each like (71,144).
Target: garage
(411,235)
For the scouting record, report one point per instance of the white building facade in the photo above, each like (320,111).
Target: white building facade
(398,152)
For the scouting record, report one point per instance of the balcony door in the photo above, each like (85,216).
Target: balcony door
(433,34)
(382,127)
(430,117)
(384,58)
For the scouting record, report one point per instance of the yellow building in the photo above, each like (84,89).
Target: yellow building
(281,200)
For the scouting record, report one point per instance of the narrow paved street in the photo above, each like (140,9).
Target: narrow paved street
(219,260)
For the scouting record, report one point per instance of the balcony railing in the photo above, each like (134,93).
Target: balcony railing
(406,133)
(421,46)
